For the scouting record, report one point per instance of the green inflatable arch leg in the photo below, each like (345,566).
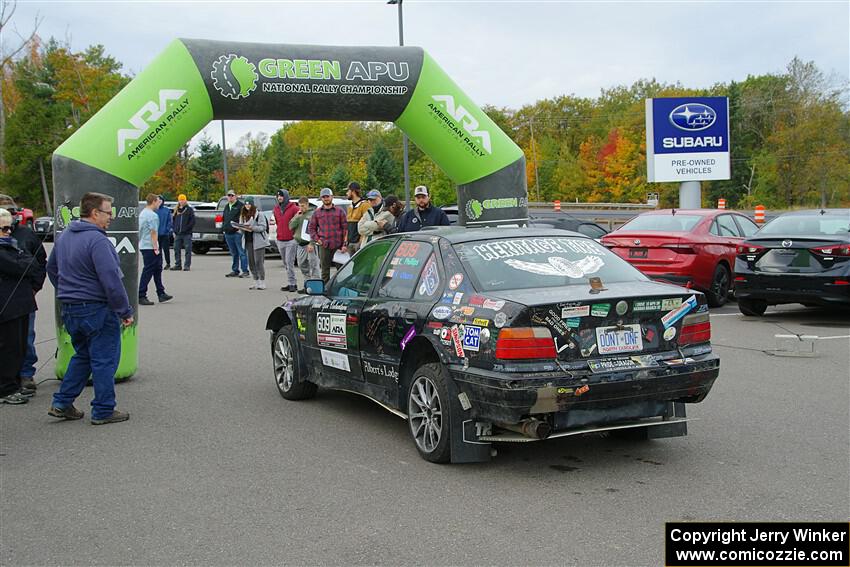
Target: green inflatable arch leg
(195,81)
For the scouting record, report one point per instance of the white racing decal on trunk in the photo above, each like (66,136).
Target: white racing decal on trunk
(558,266)
(335,360)
(330,330)
(528,246)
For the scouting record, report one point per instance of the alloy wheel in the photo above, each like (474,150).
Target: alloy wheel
(426,414)
(284,362)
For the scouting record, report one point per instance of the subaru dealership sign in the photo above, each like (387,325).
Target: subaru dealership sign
(687,139)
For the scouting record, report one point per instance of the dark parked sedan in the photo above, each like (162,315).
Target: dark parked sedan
(476,336)
(43,227)
(800,257)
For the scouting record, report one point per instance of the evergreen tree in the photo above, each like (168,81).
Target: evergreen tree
(205,167)
(382,172)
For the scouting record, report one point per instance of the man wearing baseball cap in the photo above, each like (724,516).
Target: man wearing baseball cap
(328,229)
(286,245)
(376,200)
(183,221)
(423,214)
(232,238)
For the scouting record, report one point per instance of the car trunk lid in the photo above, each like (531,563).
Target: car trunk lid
(648,248)
(794,255)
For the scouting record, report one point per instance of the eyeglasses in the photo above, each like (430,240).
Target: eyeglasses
(5,229)
(109,212)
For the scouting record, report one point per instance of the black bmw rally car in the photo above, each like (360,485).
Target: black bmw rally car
(477,336)
(799,257)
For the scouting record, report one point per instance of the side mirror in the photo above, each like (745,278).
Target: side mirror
(314,287)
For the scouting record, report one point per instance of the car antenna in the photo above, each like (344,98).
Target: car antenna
(674,212)
(823,212)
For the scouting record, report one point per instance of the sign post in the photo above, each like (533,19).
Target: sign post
(687,140)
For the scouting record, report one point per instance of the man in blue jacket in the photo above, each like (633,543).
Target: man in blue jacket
(184,222)
(164,232)
(86,273)
(423,214)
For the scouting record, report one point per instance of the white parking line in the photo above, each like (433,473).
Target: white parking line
(835,337)
(723,314)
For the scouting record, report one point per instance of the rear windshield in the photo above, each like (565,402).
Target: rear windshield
(663,223)
(522,263)
(808,224)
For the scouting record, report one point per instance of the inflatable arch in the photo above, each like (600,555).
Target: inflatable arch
(195,81)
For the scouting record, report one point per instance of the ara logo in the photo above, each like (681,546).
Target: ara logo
(124,246)
(147,115)
(693,116)
(234,76)
(469,123)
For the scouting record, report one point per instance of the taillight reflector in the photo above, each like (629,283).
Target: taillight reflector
(841,282)
(219,218)
(750,249)
(695,329)
(833,250)
(679,248)
(524,343)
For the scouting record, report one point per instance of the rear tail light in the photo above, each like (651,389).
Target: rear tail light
(680,248)
(841,282)
(842,250)
(524,343)
(695,329)
(750,249)
(740,279)
(219,220)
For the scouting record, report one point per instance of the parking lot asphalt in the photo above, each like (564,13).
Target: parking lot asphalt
(214,467)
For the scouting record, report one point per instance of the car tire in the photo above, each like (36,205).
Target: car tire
(429,413)
(200,249)
(752,307)
(285,361)
(721,281)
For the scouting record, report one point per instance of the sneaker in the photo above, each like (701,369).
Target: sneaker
(284,288)
(69,412)
(14,399)
(232,275)
(245,275)
(114,418)
(254,285)
(186,269)
(302,291)
(26,393)
(28,384)
(145,301)
(165,297)
(176,268)
(293,288)
(167,267)
(261,284)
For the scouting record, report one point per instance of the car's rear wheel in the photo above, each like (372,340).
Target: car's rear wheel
(720,283)
(752,307)
(286,368)
(429,413)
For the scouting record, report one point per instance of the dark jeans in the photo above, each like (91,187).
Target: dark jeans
(237,252)
(30,358)
(152,267)
(13,347)
(182,242)
(165,247)
(95,332)
(326,260)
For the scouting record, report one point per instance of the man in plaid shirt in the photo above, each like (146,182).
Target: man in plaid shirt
(328,229)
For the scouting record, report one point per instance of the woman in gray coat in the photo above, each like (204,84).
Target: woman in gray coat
(255,238)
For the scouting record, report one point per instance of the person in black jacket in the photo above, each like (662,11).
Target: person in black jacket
(20,277)
(232,236)
(182,225)
(29,241)
(423,214)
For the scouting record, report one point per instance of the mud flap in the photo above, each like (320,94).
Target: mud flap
(678,429)
(466,448)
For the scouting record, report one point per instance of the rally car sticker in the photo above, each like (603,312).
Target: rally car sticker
(648,305)
(335,360)
(380,370)
(622,307)
(500,319)
(559,266)
(430,278)
(668,304)
(495,305)
(457,299)
(411,332)
(330,330)
(455,281)
(580,311)
(441,312)
(458,341)
(669,333)
(672,317)
(481,322)
(600,309)
(472,338)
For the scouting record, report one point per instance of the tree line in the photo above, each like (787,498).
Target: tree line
(790,140)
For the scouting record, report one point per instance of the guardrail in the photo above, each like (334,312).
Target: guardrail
(606,206)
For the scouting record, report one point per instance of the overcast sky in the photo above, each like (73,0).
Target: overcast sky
(501,53)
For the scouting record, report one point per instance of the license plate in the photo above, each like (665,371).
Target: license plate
(637,252)
(614,364)
(611,340)
(196,236)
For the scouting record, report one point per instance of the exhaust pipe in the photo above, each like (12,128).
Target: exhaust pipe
(533,428)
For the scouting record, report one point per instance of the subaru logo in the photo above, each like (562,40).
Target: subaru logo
(693,116)
(787,243)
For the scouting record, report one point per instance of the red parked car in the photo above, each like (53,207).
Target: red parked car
(25,216)
(690,247)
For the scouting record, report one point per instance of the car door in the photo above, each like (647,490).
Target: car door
(334,318)
(408,287)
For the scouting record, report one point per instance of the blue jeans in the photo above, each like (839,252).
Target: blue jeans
(30,358)
(182,242)
(151,267)
(96,335)
(237,252)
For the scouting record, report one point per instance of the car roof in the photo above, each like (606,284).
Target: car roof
(700,212)
(459,234)
(831,212)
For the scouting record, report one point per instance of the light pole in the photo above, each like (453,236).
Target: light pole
(403,135)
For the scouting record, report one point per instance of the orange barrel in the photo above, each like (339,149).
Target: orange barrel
(558,205)
(759,214)
(721,203)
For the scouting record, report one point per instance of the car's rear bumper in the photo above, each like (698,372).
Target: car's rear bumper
(792,289)
(509,398)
